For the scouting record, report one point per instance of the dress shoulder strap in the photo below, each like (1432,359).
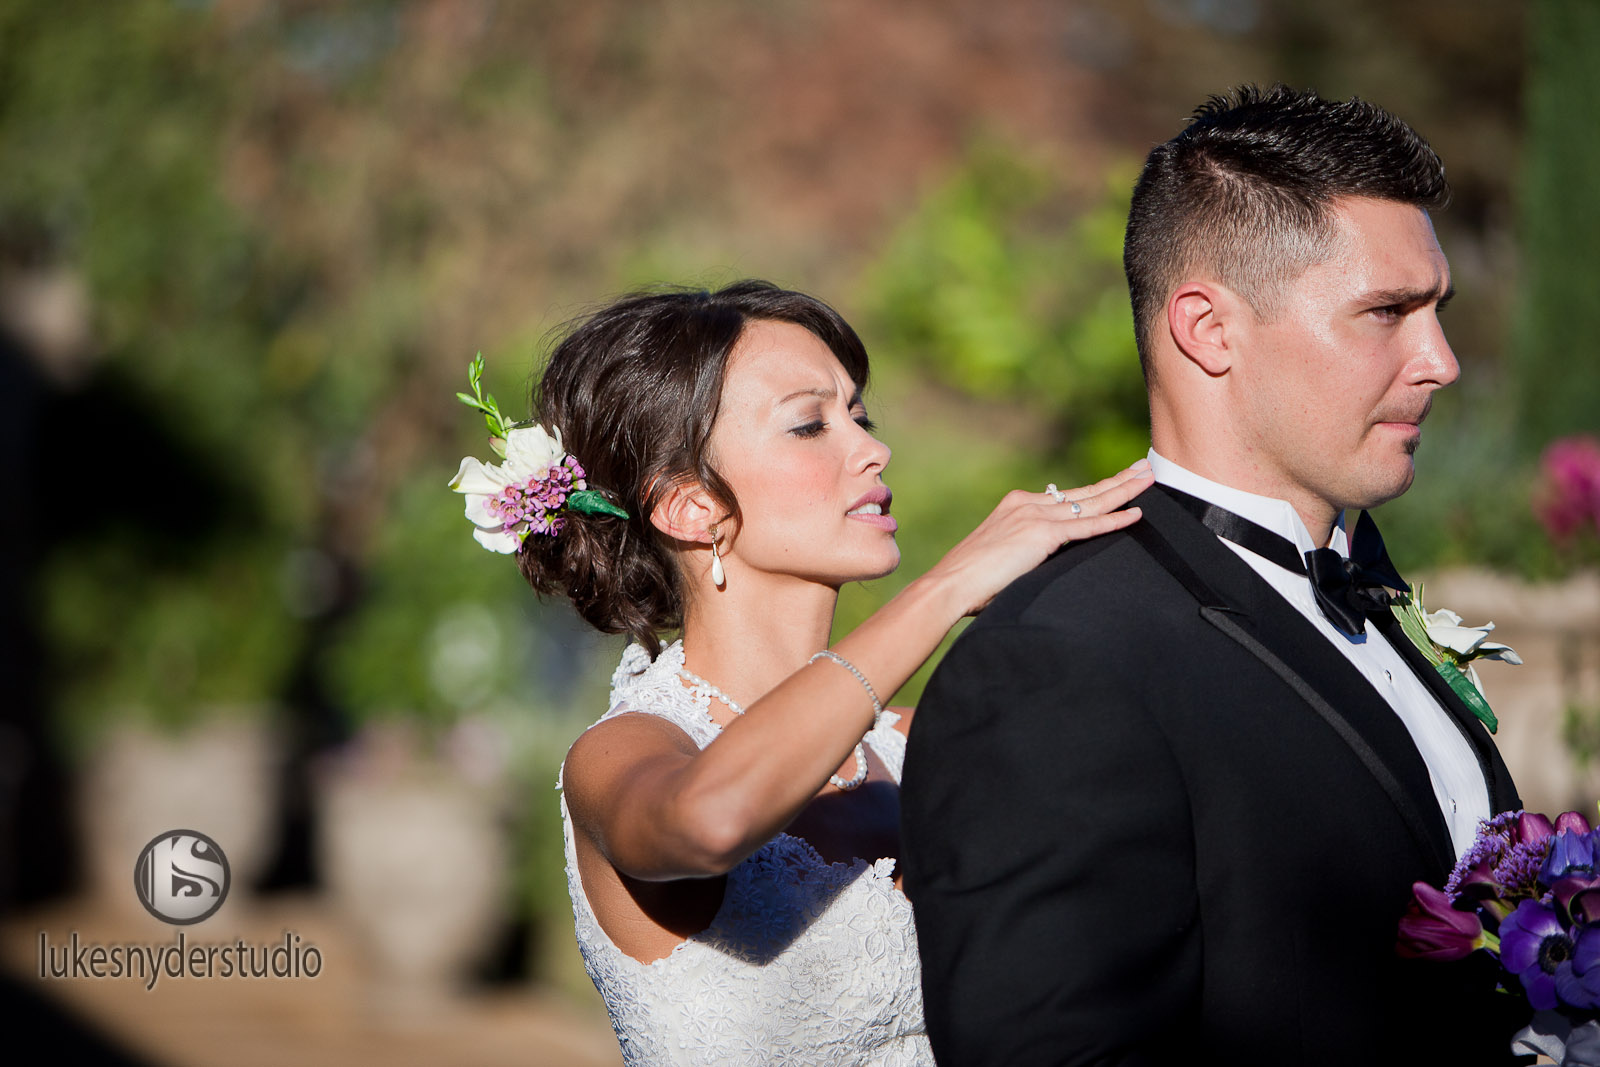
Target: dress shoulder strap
(652,687)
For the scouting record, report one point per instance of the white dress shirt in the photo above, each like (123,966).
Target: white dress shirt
(1452,765)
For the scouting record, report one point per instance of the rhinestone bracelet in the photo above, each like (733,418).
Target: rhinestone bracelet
(877,705)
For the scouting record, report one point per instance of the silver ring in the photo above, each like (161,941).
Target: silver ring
(1077,509)
(1060,497)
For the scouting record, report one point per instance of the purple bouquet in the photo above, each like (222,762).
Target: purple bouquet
(1528,893)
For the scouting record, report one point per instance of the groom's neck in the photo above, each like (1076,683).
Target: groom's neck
(1245,470)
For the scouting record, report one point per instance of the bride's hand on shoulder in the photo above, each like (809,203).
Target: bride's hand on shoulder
(1027,527)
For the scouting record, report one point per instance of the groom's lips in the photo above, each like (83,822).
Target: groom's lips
(1406,422)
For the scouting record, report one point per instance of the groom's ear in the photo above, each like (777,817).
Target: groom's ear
(1203,320)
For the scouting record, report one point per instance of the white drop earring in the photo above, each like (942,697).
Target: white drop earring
(718,578)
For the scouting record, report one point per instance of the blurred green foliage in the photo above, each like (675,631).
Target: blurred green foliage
(1002,349)
(1478,470)
(1003,289)
(1556,344)
(108,143)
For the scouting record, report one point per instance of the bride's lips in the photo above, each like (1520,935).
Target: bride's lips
(877,500)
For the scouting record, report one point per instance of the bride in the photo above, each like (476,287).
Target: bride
(703,462)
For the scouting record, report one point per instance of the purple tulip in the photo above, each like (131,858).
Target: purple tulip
(1571,853)
(1531,826)
(1433,930)
(1571,820)
(1536,948)
(1577,899)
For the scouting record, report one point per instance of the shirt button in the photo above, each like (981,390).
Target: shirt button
(1388,677)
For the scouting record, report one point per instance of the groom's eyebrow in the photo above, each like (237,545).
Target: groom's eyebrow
(1407,298)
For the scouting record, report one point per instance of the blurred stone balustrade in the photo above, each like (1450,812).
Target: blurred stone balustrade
(1555,628)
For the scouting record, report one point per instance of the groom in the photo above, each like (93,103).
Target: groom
(1165,800)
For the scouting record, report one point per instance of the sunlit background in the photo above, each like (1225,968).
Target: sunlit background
(248,248)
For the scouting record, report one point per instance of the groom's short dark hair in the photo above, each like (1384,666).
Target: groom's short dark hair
(1244,193)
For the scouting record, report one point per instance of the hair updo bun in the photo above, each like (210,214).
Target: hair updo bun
(634,390)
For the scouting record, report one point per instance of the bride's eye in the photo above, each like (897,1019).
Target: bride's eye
(810,429)
(866,423)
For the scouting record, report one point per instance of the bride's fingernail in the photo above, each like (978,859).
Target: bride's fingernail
(1140,464)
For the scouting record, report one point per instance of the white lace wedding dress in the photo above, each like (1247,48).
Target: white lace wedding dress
(806,962)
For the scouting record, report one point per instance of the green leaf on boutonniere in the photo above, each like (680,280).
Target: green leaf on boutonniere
(1407,608)
(1462,686)
(1450,646)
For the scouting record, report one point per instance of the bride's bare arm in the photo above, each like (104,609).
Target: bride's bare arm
(658,808)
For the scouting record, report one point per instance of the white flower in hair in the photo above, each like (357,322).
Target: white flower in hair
(531,490)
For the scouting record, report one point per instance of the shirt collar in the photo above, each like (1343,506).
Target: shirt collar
(1272,514)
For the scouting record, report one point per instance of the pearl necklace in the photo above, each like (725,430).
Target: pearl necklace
(702,688)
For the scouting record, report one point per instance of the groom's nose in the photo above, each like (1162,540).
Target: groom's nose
(1432,361)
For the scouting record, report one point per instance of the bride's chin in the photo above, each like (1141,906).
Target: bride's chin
(883,570)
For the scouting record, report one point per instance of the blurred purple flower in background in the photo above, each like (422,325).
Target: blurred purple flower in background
(1569,499)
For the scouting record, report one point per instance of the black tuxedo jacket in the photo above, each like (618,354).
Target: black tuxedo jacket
(1150,815)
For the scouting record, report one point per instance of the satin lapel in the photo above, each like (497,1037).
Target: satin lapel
(1470,725)
(1240,604)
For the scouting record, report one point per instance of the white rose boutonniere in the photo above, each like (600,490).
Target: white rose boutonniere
(1451,647)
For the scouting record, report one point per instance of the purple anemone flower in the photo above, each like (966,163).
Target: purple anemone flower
(1433,930)
(1571,854)
(1579,985)
(1536,948)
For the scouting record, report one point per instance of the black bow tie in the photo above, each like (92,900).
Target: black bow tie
(1347,590)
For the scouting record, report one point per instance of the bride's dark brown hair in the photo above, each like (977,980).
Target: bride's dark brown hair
(635,389)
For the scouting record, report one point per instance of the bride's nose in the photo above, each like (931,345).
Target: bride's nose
(869,453)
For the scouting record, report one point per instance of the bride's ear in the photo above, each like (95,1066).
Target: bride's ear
(1204,320)
(686,513)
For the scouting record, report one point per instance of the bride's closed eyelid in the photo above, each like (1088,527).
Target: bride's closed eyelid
(816,427)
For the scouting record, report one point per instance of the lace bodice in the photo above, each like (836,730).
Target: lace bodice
(806,962)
